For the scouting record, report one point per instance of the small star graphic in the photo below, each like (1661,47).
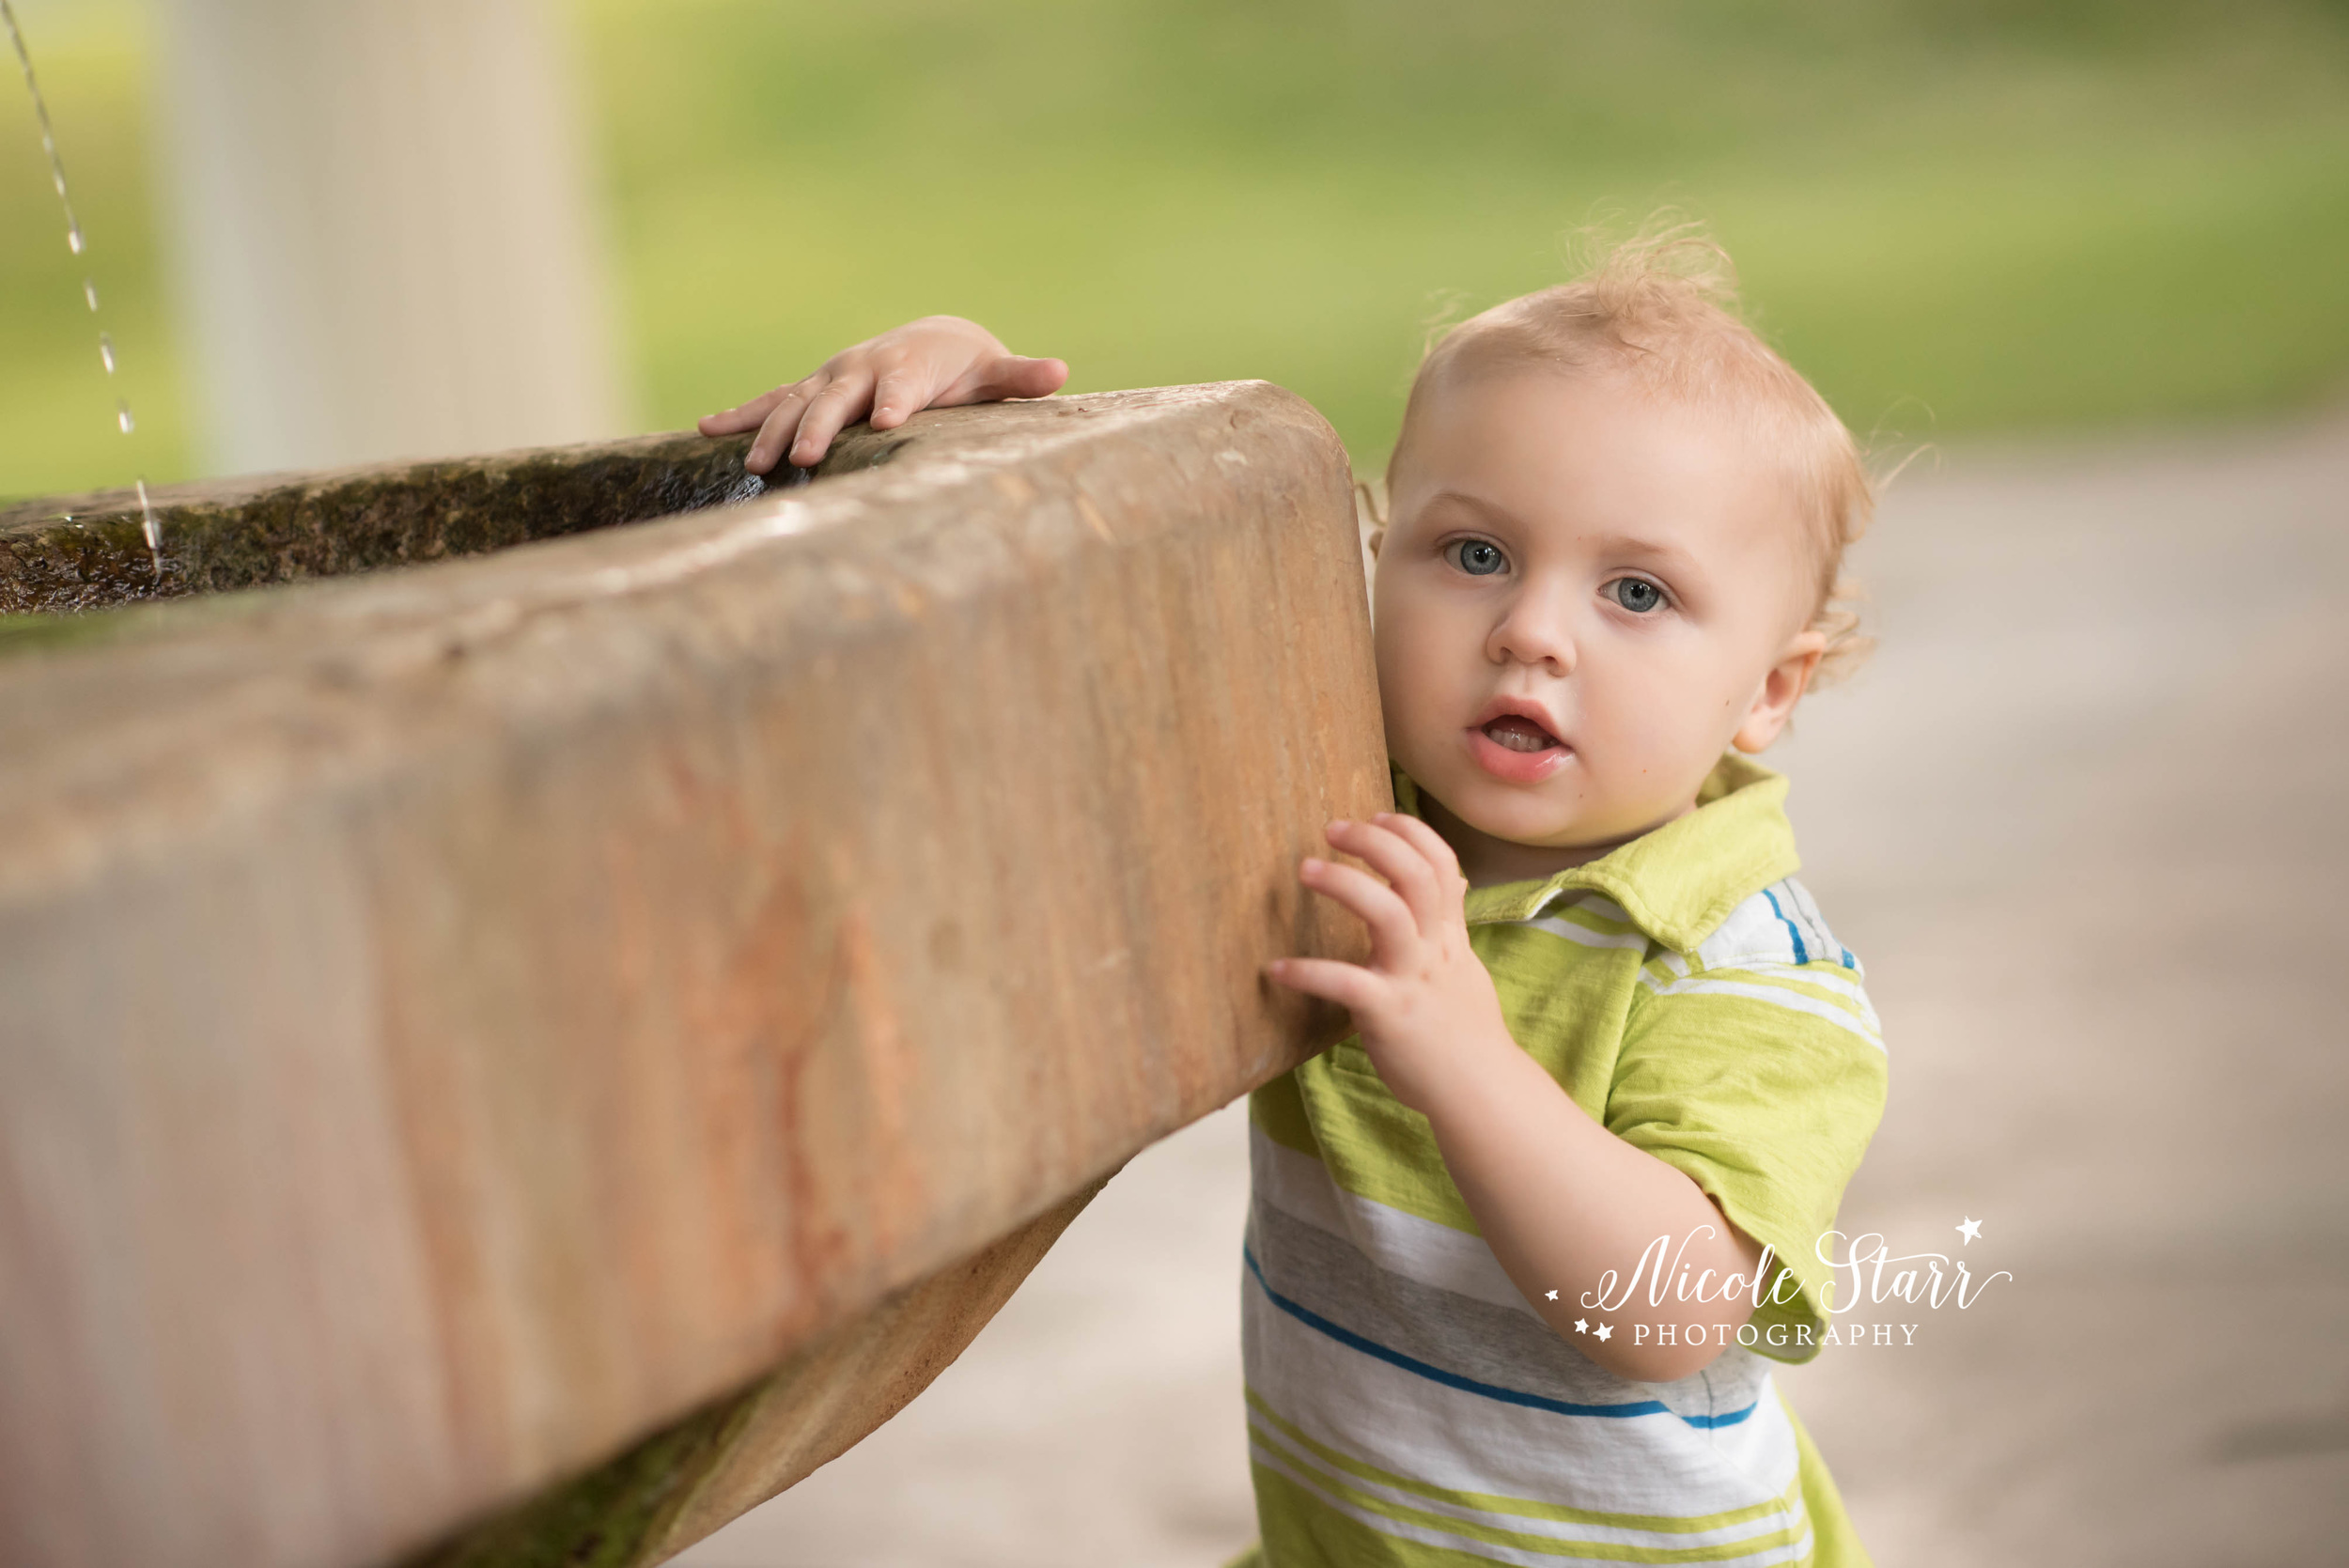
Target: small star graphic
(1971,1231)
(1604,1331)
(1553,1296)
(1582,1324)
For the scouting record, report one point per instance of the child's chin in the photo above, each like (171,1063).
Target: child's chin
(1513,814)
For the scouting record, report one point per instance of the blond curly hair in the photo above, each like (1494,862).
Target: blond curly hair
(1661,308)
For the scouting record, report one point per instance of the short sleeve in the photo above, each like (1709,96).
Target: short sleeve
(1763,1083)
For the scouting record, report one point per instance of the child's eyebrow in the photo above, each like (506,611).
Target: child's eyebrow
(1474,504)
(1664,557)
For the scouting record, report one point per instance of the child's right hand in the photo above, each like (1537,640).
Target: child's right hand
(937,361)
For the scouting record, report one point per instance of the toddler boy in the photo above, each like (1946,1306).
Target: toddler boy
(1521,1250)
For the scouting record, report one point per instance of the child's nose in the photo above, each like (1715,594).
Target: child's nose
(1532,632)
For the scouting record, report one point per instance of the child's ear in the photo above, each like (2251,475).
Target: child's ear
(1370,513)
(1781,690)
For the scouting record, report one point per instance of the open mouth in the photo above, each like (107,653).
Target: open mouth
(1517,747)
(1518,733)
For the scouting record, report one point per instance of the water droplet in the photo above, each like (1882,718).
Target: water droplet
(106,352)
(56,178)
(148,526)
(73,239)
(122,417)
(90,292)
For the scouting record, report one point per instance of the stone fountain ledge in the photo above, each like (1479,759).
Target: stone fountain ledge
(463,1020)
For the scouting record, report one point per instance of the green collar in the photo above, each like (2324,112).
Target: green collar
(1679,883)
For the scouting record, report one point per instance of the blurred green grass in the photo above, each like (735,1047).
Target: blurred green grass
(57,426)
(1961,216)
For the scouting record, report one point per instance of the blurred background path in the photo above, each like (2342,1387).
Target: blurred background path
(2082,819)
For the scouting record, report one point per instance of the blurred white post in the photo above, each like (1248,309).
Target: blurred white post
(383,230)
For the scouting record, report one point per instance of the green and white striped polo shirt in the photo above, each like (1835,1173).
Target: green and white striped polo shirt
(1406,1404)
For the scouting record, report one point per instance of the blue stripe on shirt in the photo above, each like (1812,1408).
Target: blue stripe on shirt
(1467,1385)
(1802,953)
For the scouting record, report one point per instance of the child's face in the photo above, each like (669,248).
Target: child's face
(1583,597)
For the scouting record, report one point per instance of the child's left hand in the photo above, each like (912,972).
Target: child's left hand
(1424,1001)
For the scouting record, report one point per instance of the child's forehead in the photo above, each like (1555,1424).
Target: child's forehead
(1581,442)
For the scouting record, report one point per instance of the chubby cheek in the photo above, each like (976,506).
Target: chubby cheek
(1653,720)
(1419,687)
(1398,700)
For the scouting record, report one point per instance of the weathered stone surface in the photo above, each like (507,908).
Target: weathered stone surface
(461,1021)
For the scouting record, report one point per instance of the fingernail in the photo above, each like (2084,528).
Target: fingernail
(1312,865)
(1337,822)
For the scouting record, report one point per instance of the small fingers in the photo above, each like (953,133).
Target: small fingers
(1399,859)
(774,434)
(841,403)
(744,416)
(1003,375)
(900,395)
(1350,986)
(733,422)
(1392,928)
(806,415)
(1431,843)
(1017,376)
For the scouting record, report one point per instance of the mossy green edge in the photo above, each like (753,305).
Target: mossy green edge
(606,1517)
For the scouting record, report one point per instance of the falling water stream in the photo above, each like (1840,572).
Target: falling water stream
(79,246)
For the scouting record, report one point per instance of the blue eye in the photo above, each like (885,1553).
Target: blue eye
(1635,593)
(1477,557)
